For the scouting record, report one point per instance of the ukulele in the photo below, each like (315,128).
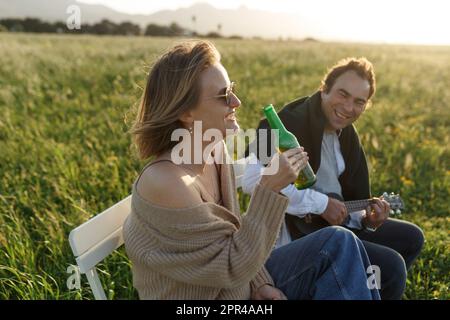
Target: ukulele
(296,228)
(395,202)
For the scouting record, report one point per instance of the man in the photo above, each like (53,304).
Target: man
(323,125)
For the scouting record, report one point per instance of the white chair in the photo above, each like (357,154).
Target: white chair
(97,238)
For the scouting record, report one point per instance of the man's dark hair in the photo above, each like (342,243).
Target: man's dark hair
(361,66)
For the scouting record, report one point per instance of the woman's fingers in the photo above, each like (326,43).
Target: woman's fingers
(293,154)
(297,157)
(300,161)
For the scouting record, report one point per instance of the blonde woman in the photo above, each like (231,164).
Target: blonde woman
(186,237)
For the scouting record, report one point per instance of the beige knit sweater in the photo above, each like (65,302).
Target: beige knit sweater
(206,251)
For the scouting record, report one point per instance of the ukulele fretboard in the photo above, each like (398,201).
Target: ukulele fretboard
(356,205)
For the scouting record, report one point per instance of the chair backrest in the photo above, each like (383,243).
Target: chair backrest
(97,238)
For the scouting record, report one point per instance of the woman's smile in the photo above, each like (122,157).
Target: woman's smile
(231,116)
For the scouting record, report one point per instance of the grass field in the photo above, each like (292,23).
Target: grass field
(66,105)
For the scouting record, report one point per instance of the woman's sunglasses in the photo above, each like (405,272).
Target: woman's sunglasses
(229,92)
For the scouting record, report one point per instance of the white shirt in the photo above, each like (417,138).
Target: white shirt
(301,202)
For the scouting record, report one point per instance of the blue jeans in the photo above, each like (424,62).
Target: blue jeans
(328,264)
(393,247)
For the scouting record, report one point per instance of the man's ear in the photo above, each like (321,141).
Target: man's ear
(187,118)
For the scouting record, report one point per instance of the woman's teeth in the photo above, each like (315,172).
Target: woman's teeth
(231,116)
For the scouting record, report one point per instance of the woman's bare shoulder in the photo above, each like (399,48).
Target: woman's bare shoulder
(167,185)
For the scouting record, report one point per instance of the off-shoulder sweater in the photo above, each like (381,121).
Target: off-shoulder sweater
(207,251)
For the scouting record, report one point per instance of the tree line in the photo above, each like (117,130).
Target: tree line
(104,27)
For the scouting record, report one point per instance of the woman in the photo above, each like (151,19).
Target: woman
(185,236)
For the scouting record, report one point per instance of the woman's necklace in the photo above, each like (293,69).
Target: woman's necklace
(208,180)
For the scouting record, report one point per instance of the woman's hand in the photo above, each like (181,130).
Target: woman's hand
(267,292)
(289,164)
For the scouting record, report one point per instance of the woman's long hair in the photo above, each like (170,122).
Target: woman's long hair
(173,87)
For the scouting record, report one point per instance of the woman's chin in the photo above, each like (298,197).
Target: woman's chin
(231,127)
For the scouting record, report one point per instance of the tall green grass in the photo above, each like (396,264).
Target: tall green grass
(66,104)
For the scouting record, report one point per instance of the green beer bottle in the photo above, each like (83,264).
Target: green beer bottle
(286,141)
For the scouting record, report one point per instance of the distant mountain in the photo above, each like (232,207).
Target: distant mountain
(242,21)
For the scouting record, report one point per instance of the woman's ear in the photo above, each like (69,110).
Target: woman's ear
(187,119)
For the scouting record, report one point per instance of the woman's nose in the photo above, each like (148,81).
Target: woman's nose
(235,102)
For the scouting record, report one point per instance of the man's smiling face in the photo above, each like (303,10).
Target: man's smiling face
(345,101)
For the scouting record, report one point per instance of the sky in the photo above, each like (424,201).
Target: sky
(386,21)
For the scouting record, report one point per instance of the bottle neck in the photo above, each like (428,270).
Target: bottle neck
(273,119)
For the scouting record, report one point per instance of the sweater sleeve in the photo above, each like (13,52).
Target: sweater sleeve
(262,277)
(301,202)
(213,252)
